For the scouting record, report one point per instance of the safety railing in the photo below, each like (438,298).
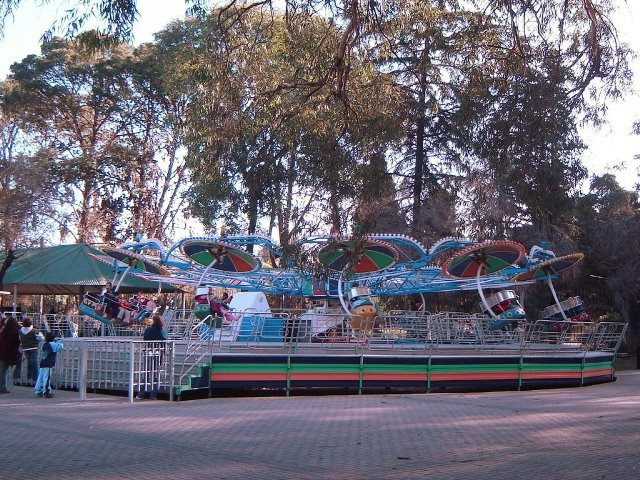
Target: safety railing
(131,330)
(267,330)
(63,325)
(178,322)
(407,331)
(608,336)
(135,366)
(400,330)
(198,349)
(131,366)
(553,335)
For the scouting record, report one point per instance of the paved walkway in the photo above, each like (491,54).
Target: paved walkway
(569,434)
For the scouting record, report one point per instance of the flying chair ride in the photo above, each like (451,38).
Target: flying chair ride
(355,271)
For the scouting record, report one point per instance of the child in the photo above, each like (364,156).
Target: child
(47,362)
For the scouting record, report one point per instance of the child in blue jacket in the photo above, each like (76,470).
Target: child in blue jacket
(47,362)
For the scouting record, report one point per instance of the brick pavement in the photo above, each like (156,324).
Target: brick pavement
(577,433)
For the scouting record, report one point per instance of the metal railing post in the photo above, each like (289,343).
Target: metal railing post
(82,370)
(131,370)
(173,362)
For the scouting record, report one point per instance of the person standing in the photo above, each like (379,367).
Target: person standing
(9,349)
(49,350)
(153,356)
(30,339)
(155,331)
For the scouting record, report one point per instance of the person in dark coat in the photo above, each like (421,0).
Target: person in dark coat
(153,353)
(30,339)
(111,301)
(9,349)
(155,331)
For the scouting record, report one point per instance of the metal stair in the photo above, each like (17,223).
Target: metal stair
(192,365)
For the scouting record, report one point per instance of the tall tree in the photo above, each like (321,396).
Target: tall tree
(358,21)
(27,185)
(75,100)
(437,52)
(281,144)
(526,166)
(115,134)
(156,179)
(560,63)
(609,221)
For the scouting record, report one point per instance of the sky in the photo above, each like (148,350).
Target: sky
(611,148)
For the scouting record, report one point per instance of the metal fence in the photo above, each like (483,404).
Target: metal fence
(178,322)
(405,331)
(64,325)
(398,330)
(135,366)
(131,366)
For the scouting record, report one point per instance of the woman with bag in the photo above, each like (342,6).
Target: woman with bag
(9,349)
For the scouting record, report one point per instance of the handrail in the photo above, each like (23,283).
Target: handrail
(397,330)
(195,354)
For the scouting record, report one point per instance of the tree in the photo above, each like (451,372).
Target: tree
(271,153)
(527,150)
(582,25)
(115,135)
(609,219)
(437,54)
(156,179)
(115,19)
(27,186)
(636,131)
(74,100)
(528,159)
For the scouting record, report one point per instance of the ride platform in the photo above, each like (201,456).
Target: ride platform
(122,365)
(279,352)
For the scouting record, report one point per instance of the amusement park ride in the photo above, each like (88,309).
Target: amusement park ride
(342,338)
(350,271)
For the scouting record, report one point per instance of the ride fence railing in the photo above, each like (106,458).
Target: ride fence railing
(197,352)
(132,366)
(177,322)
(109,364)
(406,331)
(66,325)
(398,330)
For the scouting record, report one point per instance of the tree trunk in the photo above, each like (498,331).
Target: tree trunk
(418,170)
(252,214)
(83,221)
(335,213)
(8,260)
